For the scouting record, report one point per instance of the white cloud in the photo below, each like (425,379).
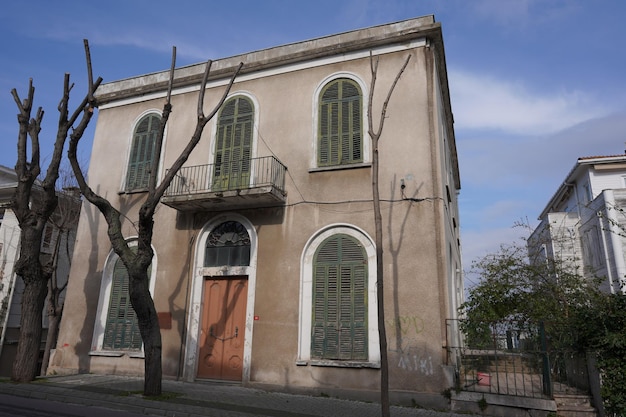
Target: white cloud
(526,161)
(487,103)
(476,244)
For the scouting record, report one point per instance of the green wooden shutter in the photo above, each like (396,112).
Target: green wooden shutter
(340,133)
(142,152)
(339,323)
(121,328)
(233,145)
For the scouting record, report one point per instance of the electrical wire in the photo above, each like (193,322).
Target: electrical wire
(305,201)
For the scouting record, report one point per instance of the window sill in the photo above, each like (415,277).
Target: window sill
(135,191)
(340,167)
(116,353)
(339,364)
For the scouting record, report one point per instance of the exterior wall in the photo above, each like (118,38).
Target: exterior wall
(557,237)
(9,238)
(420,223)
(606,180)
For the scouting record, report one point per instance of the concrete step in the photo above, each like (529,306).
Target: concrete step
(569,405)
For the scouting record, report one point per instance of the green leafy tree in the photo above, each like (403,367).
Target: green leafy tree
(514,288)
(601,328)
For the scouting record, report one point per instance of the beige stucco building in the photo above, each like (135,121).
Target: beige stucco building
(265,265)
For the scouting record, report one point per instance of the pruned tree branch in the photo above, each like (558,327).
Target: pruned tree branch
(138,260)
(195,138)
(375,136)
(374,69)
(34,213)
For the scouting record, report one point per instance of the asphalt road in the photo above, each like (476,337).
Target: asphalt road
(13,406)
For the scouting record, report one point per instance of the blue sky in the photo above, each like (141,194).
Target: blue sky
(535,84)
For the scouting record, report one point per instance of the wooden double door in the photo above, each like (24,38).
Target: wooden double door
(223,328)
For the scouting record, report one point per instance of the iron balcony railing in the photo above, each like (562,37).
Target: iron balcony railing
(242,174)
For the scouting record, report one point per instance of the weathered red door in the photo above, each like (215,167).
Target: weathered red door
(223,328)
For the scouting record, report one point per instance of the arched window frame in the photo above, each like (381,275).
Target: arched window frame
(125,186)
(306,298)
(215,123)
(366,147)
(97,348)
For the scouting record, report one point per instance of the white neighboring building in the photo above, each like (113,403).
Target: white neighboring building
(9,245)
(584,223)
(11,288)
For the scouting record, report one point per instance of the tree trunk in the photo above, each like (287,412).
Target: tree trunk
(374,135)
(25,369)
(148,322)
(382,333)
(54,318)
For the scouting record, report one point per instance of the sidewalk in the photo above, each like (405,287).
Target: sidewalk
(183,399)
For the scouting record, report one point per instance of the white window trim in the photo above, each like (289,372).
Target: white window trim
(129,148)
(103,305)
(367,158)
(306,297)
(194,317)
(255,128)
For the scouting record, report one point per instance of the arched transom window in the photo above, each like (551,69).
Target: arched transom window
(228,245)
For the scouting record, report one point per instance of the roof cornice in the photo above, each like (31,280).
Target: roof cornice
(362,39)
(573,173)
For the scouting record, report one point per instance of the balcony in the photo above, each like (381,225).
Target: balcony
(246,183)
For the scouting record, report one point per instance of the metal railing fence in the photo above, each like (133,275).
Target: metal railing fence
(241,174)
(521,359)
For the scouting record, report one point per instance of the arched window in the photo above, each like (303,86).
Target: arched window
(233,144)
(340,131)
(228,245)
(339,323)
(115,330)
(142,152)
(121,331)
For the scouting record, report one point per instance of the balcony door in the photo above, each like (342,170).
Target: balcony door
(233,145)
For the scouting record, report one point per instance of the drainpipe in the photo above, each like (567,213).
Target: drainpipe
(618,250)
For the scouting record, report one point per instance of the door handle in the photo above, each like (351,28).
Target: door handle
(213,335)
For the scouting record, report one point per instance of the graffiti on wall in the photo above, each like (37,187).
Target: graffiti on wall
(410,357)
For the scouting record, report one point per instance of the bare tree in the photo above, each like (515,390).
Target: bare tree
(378,224)
(33,214)
(138,261)
(62,224)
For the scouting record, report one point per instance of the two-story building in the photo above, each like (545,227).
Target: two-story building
(265,262)
(584,223)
